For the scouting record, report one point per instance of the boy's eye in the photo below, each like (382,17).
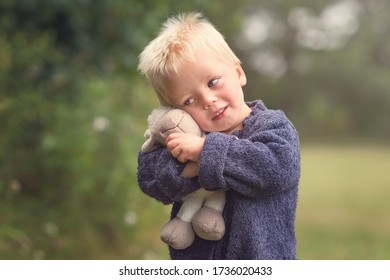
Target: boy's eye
(212,83)
(189,101)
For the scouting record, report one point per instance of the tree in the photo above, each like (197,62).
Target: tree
(323,62)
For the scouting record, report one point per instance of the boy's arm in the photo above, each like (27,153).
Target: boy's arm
(191,170)
(159,176)
(265,162)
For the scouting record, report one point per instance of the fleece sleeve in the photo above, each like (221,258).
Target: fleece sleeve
(263,161)
(159,176)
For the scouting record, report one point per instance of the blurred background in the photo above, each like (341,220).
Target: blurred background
(73,111)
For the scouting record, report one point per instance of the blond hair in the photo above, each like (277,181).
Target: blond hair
(179,39)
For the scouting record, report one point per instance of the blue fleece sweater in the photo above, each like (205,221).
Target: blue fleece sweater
(258,168)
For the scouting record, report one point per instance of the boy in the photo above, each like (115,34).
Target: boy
(250,152)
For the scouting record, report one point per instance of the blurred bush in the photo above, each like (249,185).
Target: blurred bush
(72,115)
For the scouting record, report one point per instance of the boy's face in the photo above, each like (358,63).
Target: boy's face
(210,90)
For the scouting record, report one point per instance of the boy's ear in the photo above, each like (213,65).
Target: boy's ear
(241,74)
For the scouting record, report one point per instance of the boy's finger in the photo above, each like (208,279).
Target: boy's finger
(172,136)
(173,144)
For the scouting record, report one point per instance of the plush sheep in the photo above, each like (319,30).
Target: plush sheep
(201,211)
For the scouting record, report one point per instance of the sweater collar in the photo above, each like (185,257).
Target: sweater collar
(256,107)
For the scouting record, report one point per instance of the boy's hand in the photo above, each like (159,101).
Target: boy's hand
(191,170)
(185,146)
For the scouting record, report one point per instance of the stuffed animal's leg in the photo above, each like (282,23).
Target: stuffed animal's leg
(208,222)
(178,233)
(216,201)
(189,207)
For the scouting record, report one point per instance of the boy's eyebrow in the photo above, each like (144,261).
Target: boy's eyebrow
(178,100)
(183,98)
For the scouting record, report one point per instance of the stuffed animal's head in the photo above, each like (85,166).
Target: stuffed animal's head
(164,121)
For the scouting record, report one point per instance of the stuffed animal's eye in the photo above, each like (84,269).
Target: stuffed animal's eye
(189,101)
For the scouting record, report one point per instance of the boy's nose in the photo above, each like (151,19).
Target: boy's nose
(209,101)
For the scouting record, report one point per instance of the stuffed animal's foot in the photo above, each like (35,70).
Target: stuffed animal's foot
(178,234)
(208,224)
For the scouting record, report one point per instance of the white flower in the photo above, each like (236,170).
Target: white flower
(51,228)
(100,123)
(130,218)
(15,186)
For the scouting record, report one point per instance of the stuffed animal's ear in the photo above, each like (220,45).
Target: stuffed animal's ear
(146,146)
(150,143)
(147,133)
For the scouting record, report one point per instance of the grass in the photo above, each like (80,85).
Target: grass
(343,208)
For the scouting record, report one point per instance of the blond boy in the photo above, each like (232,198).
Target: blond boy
(250,152)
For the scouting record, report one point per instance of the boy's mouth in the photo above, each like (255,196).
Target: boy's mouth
(219,114)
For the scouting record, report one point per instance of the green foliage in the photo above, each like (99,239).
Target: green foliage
(72,115)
